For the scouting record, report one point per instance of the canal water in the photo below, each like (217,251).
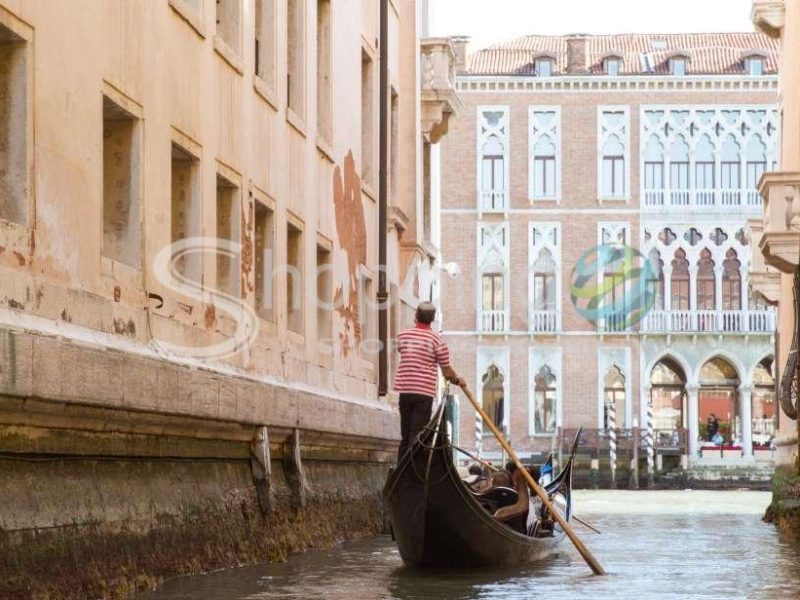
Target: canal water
(660,544)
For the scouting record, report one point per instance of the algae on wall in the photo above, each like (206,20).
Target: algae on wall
(148,520)
(784,511)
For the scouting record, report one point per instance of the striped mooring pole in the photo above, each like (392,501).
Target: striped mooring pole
(650,442)
(612,442)
(478,435)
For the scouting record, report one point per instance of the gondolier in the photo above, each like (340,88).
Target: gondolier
(422,354)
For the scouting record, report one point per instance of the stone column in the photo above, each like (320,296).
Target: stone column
(746,411)
(693,296)
(718,270)
(745,293)
(693,418)
(667,270)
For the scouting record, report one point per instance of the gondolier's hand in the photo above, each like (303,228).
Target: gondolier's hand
(460,382)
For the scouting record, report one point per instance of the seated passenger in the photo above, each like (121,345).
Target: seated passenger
(519,509)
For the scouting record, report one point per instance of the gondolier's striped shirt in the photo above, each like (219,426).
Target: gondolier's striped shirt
(422,352)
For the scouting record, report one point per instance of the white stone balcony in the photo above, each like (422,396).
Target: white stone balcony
(438,87)
(711,199)
(492,200)
(709,321)
(544,321)
(493,321)
(780,239)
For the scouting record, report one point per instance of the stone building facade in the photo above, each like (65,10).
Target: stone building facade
(128,418)
(776,233)
(571,150)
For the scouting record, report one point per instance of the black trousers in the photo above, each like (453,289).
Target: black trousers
(415,412)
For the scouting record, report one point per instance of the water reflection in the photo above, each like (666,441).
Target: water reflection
(660,551)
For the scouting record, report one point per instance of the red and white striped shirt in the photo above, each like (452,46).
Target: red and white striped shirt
(422,351)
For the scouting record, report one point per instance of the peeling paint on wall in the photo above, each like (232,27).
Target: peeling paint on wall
(352,232)
(210,316)
(248,284)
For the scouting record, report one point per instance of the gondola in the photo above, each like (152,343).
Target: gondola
(439,522)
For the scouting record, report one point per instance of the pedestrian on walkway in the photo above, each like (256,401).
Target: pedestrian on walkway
(422,354)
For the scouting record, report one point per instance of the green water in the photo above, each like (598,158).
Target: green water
(653,545)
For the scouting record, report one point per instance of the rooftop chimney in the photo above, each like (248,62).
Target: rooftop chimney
(576,54)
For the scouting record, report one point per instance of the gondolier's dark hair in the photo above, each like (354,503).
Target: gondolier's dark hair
(426,313)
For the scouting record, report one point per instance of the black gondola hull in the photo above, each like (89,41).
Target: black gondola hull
(437,522)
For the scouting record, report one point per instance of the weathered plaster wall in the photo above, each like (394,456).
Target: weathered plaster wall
(113,453)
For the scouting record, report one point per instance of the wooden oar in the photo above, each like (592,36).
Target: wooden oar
(475,458)
(585,524)
(579,546)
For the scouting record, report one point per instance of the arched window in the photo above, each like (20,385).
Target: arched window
(656,281)
(493,165)
(718,402)
(679,170)
(704,170)
(613,175)
(544,168)
(679,282)
(731,164)
(764,413)
(545,401)
(493,289)
(544,281)
(668,398)
(493,398)
(706,286)
(756,161)
(615,307)
(614,396)
(654,171)
(731,282)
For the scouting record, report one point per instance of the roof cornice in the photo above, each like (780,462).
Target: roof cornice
(466,83)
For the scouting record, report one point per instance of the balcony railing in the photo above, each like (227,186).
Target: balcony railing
(614,322)
(597,441)
(543,320)
(713,321)
(701,198)
(492,200)
(493,321)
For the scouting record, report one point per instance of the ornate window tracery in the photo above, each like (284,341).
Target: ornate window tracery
(544,168)
(613,141)
(492,158)
(707,158)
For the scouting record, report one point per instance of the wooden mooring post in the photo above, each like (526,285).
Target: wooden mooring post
(650,443)
(633,482)
(612,443)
